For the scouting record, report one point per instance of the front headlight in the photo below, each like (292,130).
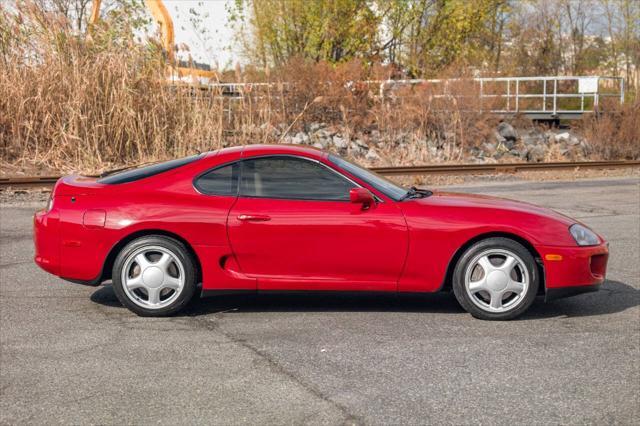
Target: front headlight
(583,235)
(49,204)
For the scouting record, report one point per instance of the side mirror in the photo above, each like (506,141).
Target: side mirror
(362,196)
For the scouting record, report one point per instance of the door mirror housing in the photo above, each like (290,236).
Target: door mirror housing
(362,196)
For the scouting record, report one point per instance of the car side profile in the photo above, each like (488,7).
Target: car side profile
(265,218)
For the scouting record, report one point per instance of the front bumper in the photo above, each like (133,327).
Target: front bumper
(573,270)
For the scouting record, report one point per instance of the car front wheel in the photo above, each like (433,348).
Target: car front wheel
(496,279)
(154,276)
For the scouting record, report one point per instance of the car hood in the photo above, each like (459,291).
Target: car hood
(453,199)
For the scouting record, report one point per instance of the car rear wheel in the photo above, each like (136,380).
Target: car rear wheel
(154,276)
(496,279)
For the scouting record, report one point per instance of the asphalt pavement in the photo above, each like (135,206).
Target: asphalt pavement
(73,354)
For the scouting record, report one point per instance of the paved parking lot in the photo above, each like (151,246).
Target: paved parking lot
(72,354)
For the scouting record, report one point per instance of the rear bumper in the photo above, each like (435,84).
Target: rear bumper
(573,270)
(46,241)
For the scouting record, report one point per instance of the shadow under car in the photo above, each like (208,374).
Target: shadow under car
(613,297)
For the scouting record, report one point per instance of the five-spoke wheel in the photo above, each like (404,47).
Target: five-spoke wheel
(496,278)
(154,276)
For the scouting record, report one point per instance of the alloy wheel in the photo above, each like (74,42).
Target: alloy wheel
(496,280)
(153,277)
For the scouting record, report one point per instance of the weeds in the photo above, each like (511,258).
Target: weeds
(75,103)
(615,134)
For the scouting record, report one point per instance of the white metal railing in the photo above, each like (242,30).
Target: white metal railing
(588,88)
(514,93)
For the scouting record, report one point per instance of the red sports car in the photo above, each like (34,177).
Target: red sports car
(262,218)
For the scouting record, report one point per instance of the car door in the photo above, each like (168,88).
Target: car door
(293,227)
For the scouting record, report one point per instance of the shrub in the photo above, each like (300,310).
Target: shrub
(615,134)
(87,102)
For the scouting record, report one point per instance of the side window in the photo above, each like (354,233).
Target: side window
(220,181)
(292,178)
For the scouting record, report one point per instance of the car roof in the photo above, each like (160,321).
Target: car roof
(266,149)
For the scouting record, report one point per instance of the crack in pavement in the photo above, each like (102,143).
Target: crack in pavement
(10,264)
(598,216)
(8,238)
(212,325)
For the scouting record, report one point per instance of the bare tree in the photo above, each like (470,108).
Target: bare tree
(579,15)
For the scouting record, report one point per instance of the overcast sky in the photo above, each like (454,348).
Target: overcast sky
(216,45)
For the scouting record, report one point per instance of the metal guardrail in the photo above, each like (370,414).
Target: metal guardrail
(47,181)
(514,93)
(549,92)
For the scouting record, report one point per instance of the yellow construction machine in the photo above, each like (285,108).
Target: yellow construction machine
(163,18)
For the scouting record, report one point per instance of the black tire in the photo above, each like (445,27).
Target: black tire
(181,254)
(498,244)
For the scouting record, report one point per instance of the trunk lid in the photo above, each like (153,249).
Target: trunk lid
(77,185)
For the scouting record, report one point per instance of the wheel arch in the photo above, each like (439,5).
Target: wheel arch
(448,279)
(107,266)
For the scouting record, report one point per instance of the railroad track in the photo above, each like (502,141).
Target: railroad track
(28,182)
(501,167)
(451,169)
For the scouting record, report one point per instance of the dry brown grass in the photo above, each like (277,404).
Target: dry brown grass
(406,124)
(87,108)
(68,102)
(428,117)
(615,134)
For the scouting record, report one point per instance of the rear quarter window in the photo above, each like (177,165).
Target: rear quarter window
(222,180)
(147,171)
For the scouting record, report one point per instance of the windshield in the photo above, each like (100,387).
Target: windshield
(383,185)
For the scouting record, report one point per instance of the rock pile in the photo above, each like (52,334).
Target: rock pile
(533,144)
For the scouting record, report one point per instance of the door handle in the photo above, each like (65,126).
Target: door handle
(254,217)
